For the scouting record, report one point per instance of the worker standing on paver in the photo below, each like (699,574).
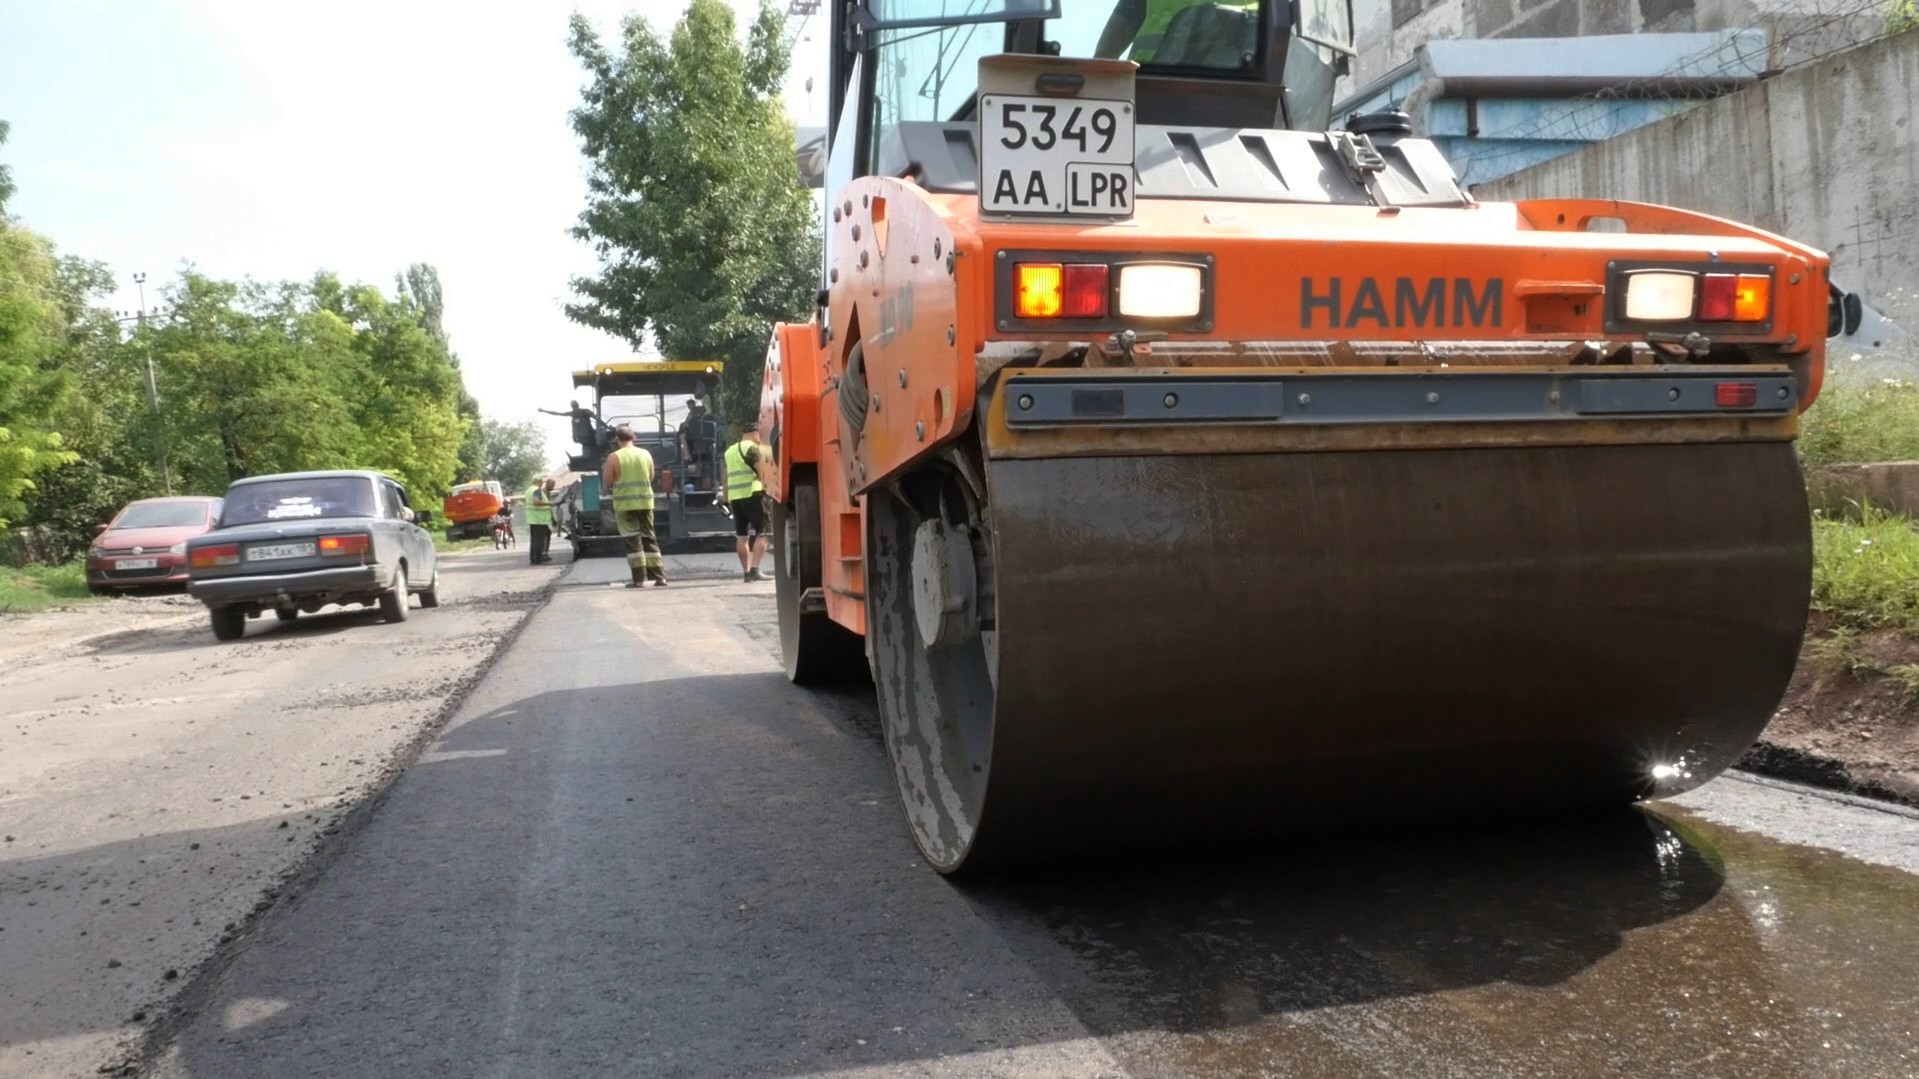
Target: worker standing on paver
(627,478)
(746,494)
(539,520)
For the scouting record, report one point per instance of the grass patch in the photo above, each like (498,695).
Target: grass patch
(1840,651)
(1858,421)
(36,588)
(444,545)
(1865,573)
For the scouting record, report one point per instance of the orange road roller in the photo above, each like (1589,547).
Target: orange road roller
(1183,470)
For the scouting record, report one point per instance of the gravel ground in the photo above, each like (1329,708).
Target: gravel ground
(158,789)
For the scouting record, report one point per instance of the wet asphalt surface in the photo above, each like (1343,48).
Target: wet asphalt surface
(636,850)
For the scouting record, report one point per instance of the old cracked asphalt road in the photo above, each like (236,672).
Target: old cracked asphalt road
(636,851)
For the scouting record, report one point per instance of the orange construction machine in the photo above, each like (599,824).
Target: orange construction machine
(1183,470)
(470,507)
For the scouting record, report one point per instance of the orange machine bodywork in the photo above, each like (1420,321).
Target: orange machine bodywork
(472,505)
(912,282)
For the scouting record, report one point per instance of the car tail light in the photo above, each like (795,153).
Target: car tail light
(1736,394)
(226,554)
(357,544)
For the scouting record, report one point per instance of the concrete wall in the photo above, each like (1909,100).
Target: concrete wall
(1387,33)
(1825,153)
(1840,490)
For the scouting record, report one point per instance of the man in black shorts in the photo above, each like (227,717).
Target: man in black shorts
(747,497)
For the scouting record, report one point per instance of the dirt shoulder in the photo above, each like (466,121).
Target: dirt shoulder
(32,636)
(1850,718)
(159,789)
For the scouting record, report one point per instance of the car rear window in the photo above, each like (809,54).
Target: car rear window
(162,515)
(298,500)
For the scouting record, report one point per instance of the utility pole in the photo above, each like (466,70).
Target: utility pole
(153,386)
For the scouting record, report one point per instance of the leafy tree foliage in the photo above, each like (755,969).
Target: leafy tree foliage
(704,235)
(6,175)
(515,453)
(31,385)
(253,377)
(104,419)
(277,377)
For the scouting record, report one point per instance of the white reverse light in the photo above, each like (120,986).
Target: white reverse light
(1157,290)
(1659,296)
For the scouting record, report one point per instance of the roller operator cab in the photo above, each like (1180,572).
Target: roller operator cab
(1182,471)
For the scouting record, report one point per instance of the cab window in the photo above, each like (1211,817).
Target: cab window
(927,74)
(931,73)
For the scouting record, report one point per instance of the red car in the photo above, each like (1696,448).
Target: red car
(146,543)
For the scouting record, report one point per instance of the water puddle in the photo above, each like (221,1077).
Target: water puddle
(1637,944)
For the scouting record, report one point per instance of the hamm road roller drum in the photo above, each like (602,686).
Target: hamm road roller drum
(1093,651)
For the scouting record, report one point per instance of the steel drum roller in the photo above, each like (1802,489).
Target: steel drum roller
(1191,648)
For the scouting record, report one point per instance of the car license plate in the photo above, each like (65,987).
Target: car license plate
(1056,156)
(136,563)
(268,552)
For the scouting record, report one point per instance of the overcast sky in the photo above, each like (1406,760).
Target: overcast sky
(274,139)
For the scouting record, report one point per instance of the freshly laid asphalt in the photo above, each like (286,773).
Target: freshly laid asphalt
(637,850)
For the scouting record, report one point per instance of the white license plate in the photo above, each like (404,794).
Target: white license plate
(137,563)
(1056,156)
(279,550)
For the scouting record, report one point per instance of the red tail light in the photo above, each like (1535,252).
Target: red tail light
(1084,291)
(357,544)
(1736,394)
(226,554)
(1735,298)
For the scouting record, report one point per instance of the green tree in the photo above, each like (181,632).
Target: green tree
(280,377)
(1901,16)
(6,174)
(106,422)
(515,453)
(704,235)
(32,389)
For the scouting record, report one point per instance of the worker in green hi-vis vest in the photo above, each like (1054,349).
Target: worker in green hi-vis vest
(628,479)
(539,520)
(1218,35)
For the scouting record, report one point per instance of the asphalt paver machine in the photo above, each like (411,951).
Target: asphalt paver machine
(664,402)
(1182,470)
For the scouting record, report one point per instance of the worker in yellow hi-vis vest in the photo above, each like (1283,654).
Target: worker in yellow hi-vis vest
(539,520)
(627,478)
(746,496)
